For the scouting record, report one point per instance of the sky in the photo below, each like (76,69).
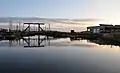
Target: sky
(71,9)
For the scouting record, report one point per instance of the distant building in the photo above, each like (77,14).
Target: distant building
(104,28)
(72,31)
(3,30)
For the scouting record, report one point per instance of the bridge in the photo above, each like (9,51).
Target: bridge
(20,33)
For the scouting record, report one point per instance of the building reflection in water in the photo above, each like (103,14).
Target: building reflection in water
(43,41)
(101,41)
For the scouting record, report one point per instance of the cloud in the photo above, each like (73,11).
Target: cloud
(48,20)
(86,20)
(76,21)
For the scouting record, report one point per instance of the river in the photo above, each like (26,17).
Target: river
(58,56)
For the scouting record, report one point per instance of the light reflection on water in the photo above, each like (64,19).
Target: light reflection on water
(59,56)
(58,42)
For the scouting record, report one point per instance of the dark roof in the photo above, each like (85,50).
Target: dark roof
(105,24)
(108,26)
(93,27)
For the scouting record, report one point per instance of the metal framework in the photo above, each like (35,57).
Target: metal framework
(39,27)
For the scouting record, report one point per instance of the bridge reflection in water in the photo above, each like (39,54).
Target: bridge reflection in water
(36,41)
(43,41)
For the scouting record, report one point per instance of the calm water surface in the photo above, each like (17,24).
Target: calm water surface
(59,56)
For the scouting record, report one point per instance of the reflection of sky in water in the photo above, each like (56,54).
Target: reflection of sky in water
(62,56)
(64,59)
(59,42)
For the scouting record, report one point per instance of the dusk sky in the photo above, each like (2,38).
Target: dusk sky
(100,9)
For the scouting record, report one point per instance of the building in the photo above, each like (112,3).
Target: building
(104,28)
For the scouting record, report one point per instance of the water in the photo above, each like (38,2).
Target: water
(58,56)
